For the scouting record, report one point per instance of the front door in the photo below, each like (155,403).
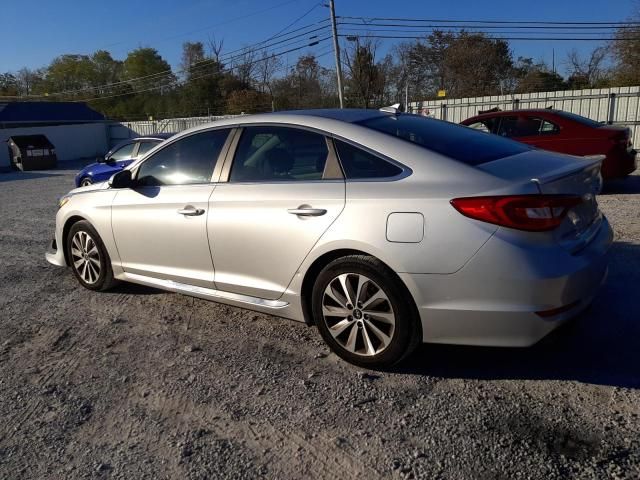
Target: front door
(160,225)
(284,190)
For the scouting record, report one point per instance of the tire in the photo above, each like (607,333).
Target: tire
(88,257)
(381,328)
(85,182)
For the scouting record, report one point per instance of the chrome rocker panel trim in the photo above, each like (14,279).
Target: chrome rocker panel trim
(205,293)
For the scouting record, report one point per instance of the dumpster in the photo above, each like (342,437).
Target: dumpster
(32,152)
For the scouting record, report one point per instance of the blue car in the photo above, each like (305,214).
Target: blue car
(117,158)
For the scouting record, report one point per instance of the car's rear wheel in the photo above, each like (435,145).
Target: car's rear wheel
(88,257)
(85,182)
(364,313)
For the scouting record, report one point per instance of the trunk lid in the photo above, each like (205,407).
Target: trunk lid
(555,174)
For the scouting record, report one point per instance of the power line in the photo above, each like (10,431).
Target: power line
(473,31)
(158,87)
(297,20)
(284,34)
(225,58)
(414,37)
(415,20)
(225,22)
(490,26)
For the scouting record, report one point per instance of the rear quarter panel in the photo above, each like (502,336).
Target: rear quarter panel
(449,240)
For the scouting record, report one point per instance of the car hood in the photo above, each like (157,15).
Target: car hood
(90,188)
(101,167)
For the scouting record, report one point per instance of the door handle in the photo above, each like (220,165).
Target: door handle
(307,212)
(190,211)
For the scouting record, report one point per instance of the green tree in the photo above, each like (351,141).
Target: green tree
(247,101)
(536,77)
(106,70)
(8,85)
(69,72)
(464,64)
(147,65)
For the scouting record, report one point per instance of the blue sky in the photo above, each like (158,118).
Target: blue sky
(35,31)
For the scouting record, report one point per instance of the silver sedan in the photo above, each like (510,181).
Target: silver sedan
(383,229)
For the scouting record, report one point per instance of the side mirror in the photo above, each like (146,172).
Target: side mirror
(122,179)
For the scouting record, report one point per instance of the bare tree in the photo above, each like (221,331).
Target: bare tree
(244,66)
(588,71)
(28,80)
(215,47)
(266,67)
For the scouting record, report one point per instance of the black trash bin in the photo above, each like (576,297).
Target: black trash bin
(32,152)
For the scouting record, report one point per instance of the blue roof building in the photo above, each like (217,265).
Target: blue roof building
(32,114)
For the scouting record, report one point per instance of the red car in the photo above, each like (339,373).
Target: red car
(563,132)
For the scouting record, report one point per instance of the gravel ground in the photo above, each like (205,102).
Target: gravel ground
(137,383)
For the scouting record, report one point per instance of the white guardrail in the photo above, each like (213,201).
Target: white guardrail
(170,125)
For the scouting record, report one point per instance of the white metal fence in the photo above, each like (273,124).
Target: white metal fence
(170,125)
(617,106)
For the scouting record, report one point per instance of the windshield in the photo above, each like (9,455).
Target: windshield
(454,141)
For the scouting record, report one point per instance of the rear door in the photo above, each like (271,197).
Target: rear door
(537,131)
(284,189)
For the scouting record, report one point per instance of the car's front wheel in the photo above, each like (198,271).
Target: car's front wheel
(364,313)
(85,182)
(88,257)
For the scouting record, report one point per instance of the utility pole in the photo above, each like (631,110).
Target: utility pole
(406,97)
(336,51)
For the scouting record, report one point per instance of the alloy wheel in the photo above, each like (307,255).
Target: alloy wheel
(86,182)
(85,257)
(358,314)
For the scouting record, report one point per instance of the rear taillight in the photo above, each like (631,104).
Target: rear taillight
(534,213)
(623,139)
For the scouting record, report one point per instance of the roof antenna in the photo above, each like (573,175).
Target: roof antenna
(395,109)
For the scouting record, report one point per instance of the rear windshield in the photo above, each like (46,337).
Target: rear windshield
(579,118)
(455,141)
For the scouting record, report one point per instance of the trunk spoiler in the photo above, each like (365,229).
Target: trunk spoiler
(590,161)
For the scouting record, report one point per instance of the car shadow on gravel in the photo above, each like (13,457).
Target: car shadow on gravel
(627,185)
(600,346)
(133,289)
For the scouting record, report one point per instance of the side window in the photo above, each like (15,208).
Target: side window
(508,127)
(145,146)
(548,128)
(187,161)
(358,164)
(279,154)
(123,153)
(482,126)
(526,127)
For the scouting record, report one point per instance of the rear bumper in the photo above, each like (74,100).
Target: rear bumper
(620,165)
(493,299)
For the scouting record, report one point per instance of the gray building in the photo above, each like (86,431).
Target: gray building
(76,130)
